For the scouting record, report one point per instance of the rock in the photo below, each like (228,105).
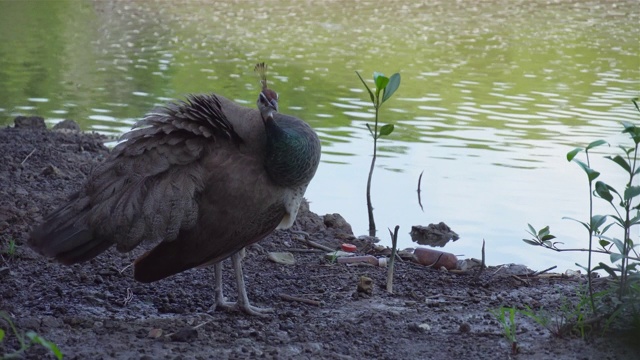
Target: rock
(336,221)
(155,333)
(67,124)
(29,122)
(433,235)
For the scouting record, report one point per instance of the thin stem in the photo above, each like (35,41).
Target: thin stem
(372,223)
(627,229)
(589,270)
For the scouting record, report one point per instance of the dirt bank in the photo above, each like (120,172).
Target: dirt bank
(97,311)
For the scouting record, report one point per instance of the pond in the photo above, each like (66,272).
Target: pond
(493,95)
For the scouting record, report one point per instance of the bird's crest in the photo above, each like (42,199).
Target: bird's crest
(261,69)
(268,98)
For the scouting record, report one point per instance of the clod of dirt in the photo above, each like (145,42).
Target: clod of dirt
(365,285)
(33,122)
(67,124)
(184,335)
(433,235)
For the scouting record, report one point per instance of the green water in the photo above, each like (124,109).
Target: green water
(493,94)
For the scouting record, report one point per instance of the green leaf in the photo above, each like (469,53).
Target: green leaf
(620,161)
(619,244)
(631,192)
(543,232)
(394,84)
(602,190)
(608,269)
(582,267)
(381,82)
(615,257)
(47,344)
(532,230)
(632,130)
(604,243)
(366,87)
(606,228)
(597,221)
(591,174)
(1,335)
(595,144)
(571,154)
(578,221)
(548,237)
(531,242)
(386,129)
(635,102)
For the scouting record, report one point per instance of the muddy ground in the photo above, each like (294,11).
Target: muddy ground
(97,311)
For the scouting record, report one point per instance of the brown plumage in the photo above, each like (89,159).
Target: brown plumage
(203,178)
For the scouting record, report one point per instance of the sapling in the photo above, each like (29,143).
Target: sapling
(33,338)
(386,85)
(626,214)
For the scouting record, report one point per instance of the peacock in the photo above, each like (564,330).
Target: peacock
(202,178)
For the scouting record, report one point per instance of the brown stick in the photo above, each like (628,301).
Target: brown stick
(299,299)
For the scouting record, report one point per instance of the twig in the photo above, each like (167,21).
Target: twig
(392,258)
(128,297)
(124,268)
(306,250)
(419,197)
(482,265)
(299,299)
(523,281)
(28,156)
(309,242)
(543,271)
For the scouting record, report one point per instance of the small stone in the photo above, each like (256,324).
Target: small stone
(365,285)
(464,327)
(155,333)
(285,258)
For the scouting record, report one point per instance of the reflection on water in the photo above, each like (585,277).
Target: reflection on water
(493,94)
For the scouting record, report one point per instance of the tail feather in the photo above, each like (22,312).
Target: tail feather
(65,236)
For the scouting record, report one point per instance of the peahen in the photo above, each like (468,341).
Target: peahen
(202,178)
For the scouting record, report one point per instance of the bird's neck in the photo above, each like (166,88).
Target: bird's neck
(288,152)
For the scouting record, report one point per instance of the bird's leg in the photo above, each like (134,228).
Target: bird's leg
(243,300)
(220,301)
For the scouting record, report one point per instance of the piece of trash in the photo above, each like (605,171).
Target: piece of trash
(337,254)
(436,259)
(469,264)
(285,258)
(349,247)
(382,262)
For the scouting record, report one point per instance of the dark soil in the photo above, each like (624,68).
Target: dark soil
(97,311)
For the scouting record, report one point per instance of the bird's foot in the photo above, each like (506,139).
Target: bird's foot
(239,306)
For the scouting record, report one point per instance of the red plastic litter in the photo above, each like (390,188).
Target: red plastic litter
(349,247)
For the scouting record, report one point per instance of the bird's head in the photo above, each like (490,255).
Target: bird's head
(268,103)
(268,99)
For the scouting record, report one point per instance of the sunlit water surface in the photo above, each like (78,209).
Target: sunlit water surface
(493,95)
